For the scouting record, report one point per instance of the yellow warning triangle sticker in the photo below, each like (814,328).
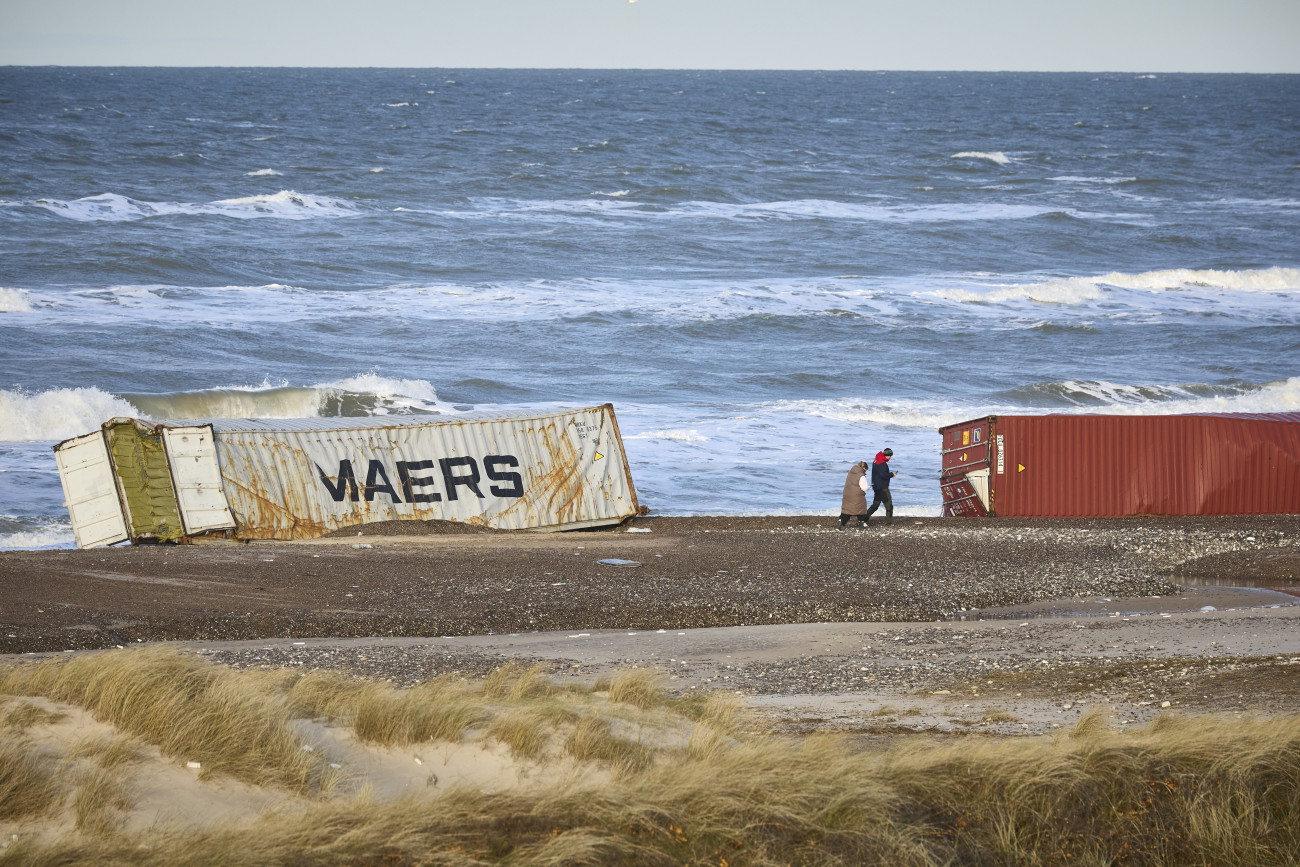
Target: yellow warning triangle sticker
(1020,468)
(598,456)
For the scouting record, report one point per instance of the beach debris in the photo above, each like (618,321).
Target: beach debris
(639,530)
(363,545)
(194,765)
(1208,608)
(614,561)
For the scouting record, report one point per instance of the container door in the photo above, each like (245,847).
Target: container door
(90,491)
(145,483)
(196,475)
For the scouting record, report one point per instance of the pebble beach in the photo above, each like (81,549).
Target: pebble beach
(788,611)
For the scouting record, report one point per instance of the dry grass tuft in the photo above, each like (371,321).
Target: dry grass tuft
(525,732)
(591,741)
(639,687)
(25,715)
(998,715)
(515,682)
(191,709)
(97,803)
(28,781)
(110,751)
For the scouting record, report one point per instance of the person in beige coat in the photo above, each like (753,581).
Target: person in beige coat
(854,503)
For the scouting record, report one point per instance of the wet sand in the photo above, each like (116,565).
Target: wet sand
(918,624)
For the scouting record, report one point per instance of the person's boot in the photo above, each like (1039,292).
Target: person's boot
(844,522)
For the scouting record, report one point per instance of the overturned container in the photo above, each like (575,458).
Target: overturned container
(301,478)
(1122,465)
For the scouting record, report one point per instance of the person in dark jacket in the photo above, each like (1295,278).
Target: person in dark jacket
(854,502)
(880,476)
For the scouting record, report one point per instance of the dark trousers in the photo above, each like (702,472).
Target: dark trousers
(882,496)
(844,520)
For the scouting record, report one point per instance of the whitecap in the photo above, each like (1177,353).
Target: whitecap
(682,436)
(263,173)
(994,157)
(57,414)
(286,204)
(15,301)
(54,534)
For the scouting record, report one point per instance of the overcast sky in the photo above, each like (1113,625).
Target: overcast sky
(1050,35)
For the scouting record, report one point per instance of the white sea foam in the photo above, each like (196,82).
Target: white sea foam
(15,301)
(562,210)
(1081,290)
(286,204)
(263,173)
(1280,396)
(995,157)
(1066,291)
(1091,180)
(57,414)
(682,436)
(55,534)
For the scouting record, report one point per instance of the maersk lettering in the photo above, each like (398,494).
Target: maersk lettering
(346,483)
(453,479)
(457,473)
(373,475)
(490,464)
(410,482)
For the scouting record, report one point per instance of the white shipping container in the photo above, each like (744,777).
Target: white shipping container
(301,478)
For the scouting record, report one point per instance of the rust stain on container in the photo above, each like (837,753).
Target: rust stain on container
(1114,466)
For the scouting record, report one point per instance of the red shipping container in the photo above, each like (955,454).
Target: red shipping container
(1095,466)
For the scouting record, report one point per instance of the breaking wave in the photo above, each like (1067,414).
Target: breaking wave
(16,534)
(1081,290)
(114,208)
(995,157)
(59,414)
(15,301)
(1071,396)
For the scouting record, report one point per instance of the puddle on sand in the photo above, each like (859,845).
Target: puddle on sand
(1291,588)
(1189,598)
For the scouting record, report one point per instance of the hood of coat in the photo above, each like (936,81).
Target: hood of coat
(881,458)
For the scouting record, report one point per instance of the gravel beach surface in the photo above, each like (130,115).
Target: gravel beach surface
(809,622)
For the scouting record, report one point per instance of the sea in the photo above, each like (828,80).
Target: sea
(771,275)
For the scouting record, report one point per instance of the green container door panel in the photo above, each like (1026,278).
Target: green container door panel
(145,481)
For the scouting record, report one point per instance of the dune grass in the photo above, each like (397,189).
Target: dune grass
(1184,790)
(191,710)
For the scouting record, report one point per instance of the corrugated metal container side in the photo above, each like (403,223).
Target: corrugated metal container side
(560,470)
(1114,466)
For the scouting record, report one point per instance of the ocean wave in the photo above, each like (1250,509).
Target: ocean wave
(286,204)
(15,301)
(14,535)
(560,210)
(1068,397)
(1100,396)
(994,157)
(1081,290)
(260,173)
(681,436)
(59,414)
